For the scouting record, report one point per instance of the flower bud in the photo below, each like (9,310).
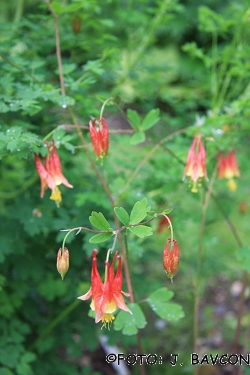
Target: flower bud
(62,263)
(243,207)
(171,258)
(76,24)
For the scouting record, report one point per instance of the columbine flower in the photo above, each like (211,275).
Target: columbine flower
(99,135)
(62,263)
(196,163)
(171,258)
(50,174)
(106,296)
(228,168)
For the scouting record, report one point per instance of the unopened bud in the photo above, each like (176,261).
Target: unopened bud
(171,258)
(62,263)
(76,24)
(243,207)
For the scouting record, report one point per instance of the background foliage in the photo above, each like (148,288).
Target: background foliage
(184,60)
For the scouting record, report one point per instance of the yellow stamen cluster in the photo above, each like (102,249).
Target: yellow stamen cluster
(56,196)
(107,319)
(194,185)
(232,184)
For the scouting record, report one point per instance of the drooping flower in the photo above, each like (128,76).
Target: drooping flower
(196,163)
(228,168)
(107,296)
(62,263)
(171,258)
(99,135)
(50,173)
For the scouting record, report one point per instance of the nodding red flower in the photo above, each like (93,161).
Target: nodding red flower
(50,173)
(228,168)
(196,163)
(108,295)
(171,258)
(62,263)
(99,135)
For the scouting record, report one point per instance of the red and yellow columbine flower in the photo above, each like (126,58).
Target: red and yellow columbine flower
(62,263)
(171,258)
(196,163)
(228,168)
(107,296)
(99,135)
(50,174)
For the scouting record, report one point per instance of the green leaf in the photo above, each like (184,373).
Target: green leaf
(128,323)
(162,294)
(166,310)
(151,119)
(57,7)
(167,211)
(151,213)
(122,215)
(52,287)
(195,52)
(138,137)
(99,221)
(5,371)
(134,119)
(23,367)
(72,7)
(100,237)
(9,356)
(141,231)
(139,211)
(67,68)
(94,67)
(243,255)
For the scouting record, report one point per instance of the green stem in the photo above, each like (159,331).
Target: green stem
(126,242)
(222,74)
(51,133)
(244,276)
(148,34)
(19,10)
(54,323)
(214,81)
(103,106)
(64,240)
(58,48)
(171,229)
(146,158)
(108,253)
(20,68)
(14,194)
(198,269)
